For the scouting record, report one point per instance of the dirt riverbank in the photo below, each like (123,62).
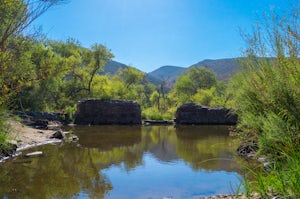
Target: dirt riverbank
(25,136)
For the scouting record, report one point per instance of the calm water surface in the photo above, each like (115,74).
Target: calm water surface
(129,162)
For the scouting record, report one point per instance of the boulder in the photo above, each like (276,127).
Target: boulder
(57,135)
(98,112)
(195,114)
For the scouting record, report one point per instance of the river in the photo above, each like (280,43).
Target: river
(129,162)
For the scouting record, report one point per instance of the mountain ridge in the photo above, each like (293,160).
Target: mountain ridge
(168,74)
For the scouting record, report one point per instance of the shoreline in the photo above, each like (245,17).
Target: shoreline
(25,137)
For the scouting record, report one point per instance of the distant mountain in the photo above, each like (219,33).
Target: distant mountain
(112,67)
(154,80)
(167,72)
(223,68)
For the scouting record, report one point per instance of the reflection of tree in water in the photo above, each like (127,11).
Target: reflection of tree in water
(160,141)
(207,147)
(115,144)
(63,174)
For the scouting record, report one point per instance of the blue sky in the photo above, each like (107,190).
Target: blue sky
(148,34)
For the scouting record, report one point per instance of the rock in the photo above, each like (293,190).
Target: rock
(97,112)
(74,138)
(40,124)
(195,114)
(248,149)
(57,135)
(36,153)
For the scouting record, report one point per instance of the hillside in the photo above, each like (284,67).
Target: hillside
(168,73)
(112,67)
(223,68)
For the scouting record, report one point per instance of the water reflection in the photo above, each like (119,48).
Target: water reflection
(129,162)
(62,172)
(207,147)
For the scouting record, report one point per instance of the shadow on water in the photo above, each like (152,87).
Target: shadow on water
(128,162)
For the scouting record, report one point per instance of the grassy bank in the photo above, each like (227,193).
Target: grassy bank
(3,132)
(266,96)
(283,180)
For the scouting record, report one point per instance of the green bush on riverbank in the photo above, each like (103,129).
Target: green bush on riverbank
(155,114)
(283,180)
(3,132)
(266,96)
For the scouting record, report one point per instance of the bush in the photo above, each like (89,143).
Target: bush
(266,93)
(283,181)
(3,130)
(266,96)
(155,114)
(70,111)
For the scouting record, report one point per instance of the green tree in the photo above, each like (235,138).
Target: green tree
(15,66)
(189,82)
(155,99)
(130,76)
(100,56)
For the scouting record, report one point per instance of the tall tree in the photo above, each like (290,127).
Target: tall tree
(15,17)
(100,56)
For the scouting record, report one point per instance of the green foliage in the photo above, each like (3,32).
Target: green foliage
(283,181)
(16,68)
(154,114)
(266,97)
(155,99)
(70,111)
(3,129)
(267,108)
(204,96)
(191,81)
(266,93)
(130,76)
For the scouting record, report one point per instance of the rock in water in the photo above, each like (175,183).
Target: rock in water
(97,112)
(195,114)
(57,135)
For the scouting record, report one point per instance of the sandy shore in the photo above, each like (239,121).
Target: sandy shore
(25,137)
